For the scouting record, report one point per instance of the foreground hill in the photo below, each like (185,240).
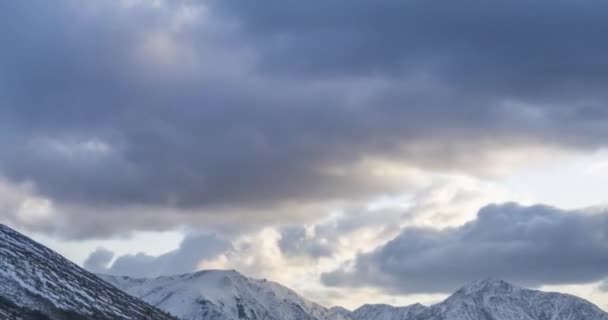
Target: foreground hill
(37,283)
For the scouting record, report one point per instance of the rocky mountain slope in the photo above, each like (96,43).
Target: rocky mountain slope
(37,283)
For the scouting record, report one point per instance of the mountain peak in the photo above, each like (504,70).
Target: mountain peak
(221,294)
(339,309)
(487,285)
(498,299)
(220,273)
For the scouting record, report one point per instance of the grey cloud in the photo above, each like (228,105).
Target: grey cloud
(204,119)
(542,57)
(323,239)
(535,245)
(295,242)
(98,260)
(193,249)
(471,40)
(356,218)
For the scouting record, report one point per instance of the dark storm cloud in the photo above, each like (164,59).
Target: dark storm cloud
(107,104)
(193,249)
(518,43)
(536,245)
(546,56)
(185,141)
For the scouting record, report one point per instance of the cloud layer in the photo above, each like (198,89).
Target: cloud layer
(204,106)
(535,245)
(194,249)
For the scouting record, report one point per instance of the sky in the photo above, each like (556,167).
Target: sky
(355,151)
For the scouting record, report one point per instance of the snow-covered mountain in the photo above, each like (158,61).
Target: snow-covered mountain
(495,299)
(226,295)
(490,300)
(37,283)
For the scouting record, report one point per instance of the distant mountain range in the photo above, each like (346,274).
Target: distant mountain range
(229,295)
(490,300)
(37,283)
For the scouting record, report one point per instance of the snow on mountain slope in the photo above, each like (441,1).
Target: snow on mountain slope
(226,295)
(499,300)
(386,312)
(37,283)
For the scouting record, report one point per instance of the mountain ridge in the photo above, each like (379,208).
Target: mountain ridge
(486,299)
(38,284)
(222,294)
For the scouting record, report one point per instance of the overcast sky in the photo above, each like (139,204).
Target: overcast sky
(372,151)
